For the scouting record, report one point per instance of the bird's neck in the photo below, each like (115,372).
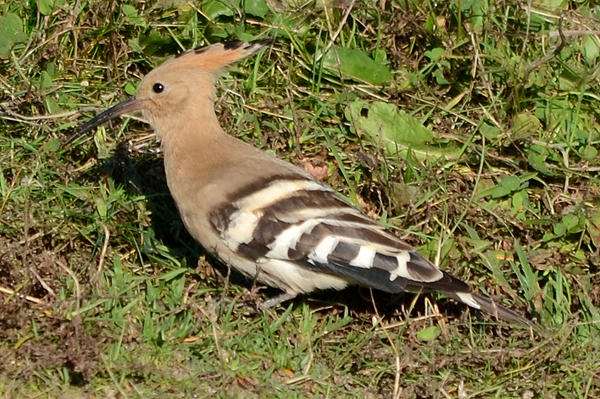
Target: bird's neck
(192,126)
(194,142)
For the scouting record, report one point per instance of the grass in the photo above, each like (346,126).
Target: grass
(471,129)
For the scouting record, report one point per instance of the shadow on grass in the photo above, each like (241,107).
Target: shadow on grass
(145,175)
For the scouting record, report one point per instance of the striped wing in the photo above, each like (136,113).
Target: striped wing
(292,218)
(296,220)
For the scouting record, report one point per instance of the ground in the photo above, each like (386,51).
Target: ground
(469,128)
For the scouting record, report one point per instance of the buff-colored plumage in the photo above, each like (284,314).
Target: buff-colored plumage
(263,216)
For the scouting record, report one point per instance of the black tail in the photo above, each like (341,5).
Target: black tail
(500,312)
(462,292)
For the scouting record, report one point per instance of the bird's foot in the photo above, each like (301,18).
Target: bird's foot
(276,300)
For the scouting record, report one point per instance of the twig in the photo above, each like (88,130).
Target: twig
(549,56)
(479,64)
(29,298)
(103,252)
(74,277)
(24,118)
(528,24)
(112,376)
(573,33)
(397,390)
(339,29)
(26,224)
(262,111)
(24,56)
(42,281)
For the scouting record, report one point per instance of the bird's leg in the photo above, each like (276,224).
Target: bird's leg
(276,300)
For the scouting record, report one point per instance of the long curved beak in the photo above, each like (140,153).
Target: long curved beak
(130,104)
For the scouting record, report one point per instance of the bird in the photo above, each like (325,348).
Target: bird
(265,217)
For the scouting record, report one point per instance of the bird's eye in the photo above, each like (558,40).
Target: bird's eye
(158,87)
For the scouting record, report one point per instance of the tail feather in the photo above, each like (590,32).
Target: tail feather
(462,292)
(487,305)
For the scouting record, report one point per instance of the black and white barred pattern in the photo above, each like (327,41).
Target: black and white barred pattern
(297,220)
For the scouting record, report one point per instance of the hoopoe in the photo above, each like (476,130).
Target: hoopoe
(265,217)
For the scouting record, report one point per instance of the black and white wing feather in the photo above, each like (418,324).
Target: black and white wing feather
(299,221)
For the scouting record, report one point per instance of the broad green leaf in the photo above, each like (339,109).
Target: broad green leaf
(440,78)
(430,23)
(132,15)
(593,226)
(550,5)
(166,4)
(45,80)
(475,11)
(244,36)
(101,208)
(590,49)
(536,156)
(525,125)
(581,134)
(134,43)
(396,130)
(395,125)
(52,106)
(45,7)
(589,153)
(380,55)
(506,186)
(52,145)
(258,8)
(357,65)
(216,8)
(403,194)
(520,201)
(384,122)
(11,33)
(571,222)
(490,131)
(130,88)
(435,54)
(429,333)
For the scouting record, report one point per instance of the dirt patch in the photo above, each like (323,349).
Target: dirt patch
(34,330)
(58,343)
(405,28)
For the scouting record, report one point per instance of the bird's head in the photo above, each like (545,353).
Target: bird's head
(184,81)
